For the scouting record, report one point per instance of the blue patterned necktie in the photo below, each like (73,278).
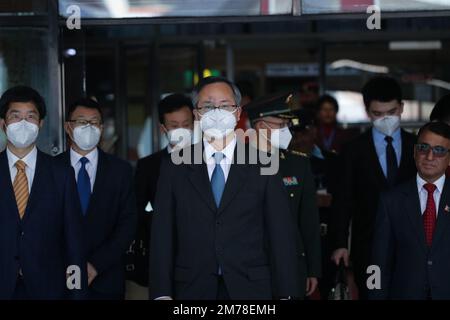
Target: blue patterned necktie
(218,179)
(84,185)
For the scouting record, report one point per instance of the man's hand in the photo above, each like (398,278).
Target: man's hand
(311,285)
(92,273)
(338,254)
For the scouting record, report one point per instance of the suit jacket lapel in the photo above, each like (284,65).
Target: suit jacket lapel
(374,162)
(6,187)
(200,181)
(443,218)
(102,171)
(412,204)
(198,174)
(236,179)
(41,174)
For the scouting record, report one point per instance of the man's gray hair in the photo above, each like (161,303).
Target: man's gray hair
(210,80)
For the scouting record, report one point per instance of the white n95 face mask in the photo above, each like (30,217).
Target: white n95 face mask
(86,137)
(387,124)
(179,137)
(22,134)
(218,123)
(280,138)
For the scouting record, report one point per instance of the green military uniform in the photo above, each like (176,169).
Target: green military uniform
(295,169)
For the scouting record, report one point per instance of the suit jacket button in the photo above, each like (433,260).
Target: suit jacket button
(292,195)
(22,234)
(430,263)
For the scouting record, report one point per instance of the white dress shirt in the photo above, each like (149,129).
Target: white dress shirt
(91,166)
(423,193)
(30,161)
(226,161)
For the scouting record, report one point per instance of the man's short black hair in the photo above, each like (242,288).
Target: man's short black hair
(84,102)
(383,89)
(330,99)
(441,111)
(22,94)
(172,103)
(438,127)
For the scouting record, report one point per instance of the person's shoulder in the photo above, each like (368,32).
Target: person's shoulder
(152,157)
(115,161)
(408,136)
(358,142)
(405,188)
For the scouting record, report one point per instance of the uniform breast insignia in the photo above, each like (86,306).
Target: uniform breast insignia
(290,181)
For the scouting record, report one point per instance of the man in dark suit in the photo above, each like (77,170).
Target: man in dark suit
(411,239)
(176,123)
(222,227)
(40,224)
(106,195)
(272,118)
(377,160)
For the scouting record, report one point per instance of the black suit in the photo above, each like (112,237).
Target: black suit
(146,179)
(251,236)
(361,182)
(109,224)
(409,268)
(47,239)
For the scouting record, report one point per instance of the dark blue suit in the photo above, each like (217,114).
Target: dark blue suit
(49,237)
(110,223)
(409,269)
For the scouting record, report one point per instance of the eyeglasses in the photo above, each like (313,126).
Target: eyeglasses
(209,107)
(438,151)
(15,117)
(84,122)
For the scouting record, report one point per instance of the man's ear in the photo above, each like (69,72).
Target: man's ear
(41,123)
(401,107)
(2,125)
(196,115)
(162,128)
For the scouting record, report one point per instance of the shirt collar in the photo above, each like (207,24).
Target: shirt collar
(439,183)
(228,151)
(91,156)
(379,136)
(29,159)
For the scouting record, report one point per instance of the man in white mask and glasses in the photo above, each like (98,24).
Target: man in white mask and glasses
(221,229)
(271,117)
(375,161)
(106,194)
(40,221)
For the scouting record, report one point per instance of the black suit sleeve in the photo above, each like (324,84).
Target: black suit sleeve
(162,243)
(309,224)
(113,249)
(382,250)
(343,202)
(75,253)
(281,230)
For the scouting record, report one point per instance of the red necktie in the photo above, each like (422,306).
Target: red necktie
(429,216)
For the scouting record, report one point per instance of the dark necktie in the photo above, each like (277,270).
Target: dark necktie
(218,179)
(391,161)
(84,185)
(429,216)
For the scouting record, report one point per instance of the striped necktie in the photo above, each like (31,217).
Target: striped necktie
(20,186)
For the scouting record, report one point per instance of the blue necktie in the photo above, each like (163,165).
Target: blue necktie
(218,179)
(84,185)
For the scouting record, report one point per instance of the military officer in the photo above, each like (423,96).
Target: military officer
(271,117)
